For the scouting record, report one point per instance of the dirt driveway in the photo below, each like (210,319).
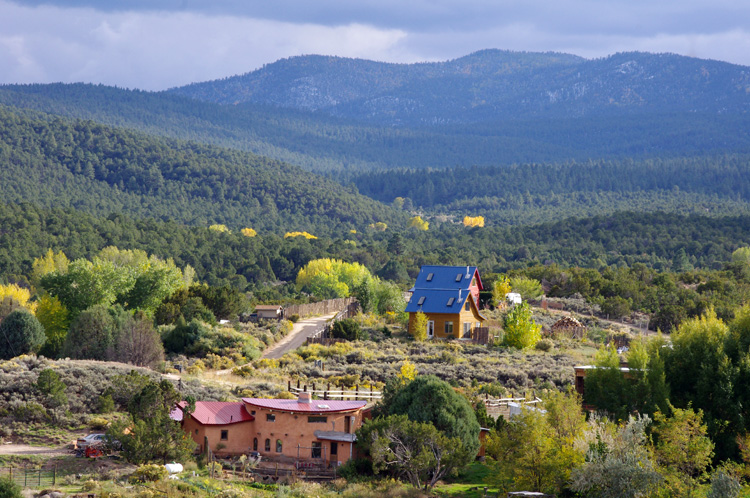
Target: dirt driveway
(27,450)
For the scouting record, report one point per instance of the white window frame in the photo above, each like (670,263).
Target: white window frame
(430,329)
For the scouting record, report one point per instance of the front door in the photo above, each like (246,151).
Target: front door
(430,329)
(347,424)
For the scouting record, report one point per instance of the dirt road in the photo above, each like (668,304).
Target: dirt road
(296,338)
(25,449)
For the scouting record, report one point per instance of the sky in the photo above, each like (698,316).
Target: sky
(159,44)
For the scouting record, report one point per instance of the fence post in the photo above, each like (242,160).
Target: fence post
(356,392)
(54,475)
(289,385)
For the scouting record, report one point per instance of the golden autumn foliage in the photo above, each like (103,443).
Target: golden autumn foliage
(299,234)
(418,223)
(17,294)
(248,232)
(473,221)
(408,372)
(220,228)
(48,263)
(379,226)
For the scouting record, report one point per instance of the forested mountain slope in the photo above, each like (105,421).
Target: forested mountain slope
(103,170)
(343,146)
(532,193)
(658,240)
(489,85)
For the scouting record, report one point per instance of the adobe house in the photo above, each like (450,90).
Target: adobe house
(269,311)
(300,429)
(449,296)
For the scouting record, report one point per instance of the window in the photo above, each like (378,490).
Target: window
(474,282)
(278,446)
(448,328)
(196,431)
(429,277)
(450,301)
(224,435)
(459,277)
(334,448)
(314,419)
(317,449)
(467,306)
(430,328)
(467,330)
(270,417)
(421,301)
(478,324)
(255,444)
(268,445)
(252,412)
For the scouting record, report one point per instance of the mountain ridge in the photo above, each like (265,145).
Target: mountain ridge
(487,85)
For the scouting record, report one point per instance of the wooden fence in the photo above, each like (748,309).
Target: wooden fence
(321,308)
(328,393)
(481,335)
(323,336)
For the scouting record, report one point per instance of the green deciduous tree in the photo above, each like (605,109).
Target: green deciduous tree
(20,333)
(520,330)
(683,449)
(536,450)
(54,318)
(529,288)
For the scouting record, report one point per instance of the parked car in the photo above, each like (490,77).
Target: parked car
(97,439)
(91,440)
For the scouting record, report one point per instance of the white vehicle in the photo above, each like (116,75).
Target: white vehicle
(90,440)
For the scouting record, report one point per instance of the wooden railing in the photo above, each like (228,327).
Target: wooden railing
(342,394)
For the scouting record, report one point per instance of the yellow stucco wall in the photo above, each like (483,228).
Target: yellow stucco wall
(458,319)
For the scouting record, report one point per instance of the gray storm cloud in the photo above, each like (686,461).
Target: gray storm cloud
(157,44)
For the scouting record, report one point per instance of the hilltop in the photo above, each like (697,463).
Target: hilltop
(488,86)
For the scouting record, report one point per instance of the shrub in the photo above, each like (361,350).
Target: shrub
(98,422)
(294,318)
(9,489)
(544,345)
(347,329)
(149,473)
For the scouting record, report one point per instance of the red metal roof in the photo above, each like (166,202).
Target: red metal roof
(216,412)
(314,406)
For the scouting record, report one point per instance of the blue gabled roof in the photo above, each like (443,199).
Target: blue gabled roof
(436,301)
(446,277)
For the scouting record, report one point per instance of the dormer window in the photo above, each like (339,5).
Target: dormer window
(429,277)
(421,301)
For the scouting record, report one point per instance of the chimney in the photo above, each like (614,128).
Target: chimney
(459,295)
(304,397)
(467,271)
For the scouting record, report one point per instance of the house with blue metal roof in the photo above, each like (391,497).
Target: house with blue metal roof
(449,296)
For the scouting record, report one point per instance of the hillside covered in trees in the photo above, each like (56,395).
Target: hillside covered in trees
(532,193)
(102,170)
